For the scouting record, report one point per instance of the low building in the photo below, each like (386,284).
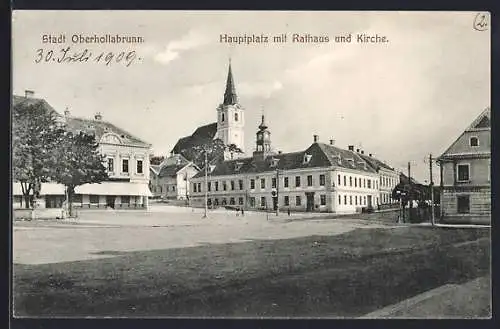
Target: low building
(154,181)
(322,178)
(127,161)
(465,174)
(173,178)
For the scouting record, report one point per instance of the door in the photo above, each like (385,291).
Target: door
(110,201)
(369,201)
(310,201)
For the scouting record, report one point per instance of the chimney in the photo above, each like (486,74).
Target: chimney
(370,154)
(67,112)
(351,147)
(316,138)
(357,150)
(279,152)
(362,152)
(98,116)
(332,141)
(29,93)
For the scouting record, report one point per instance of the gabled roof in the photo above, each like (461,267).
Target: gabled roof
(155,168)
(481,123)
(17,100)
(322,155)
(200,136)
(172,165)
(174,160)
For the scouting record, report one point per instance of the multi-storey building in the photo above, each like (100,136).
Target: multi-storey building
(229,127)
(322,178)
(126,158)
(465,174)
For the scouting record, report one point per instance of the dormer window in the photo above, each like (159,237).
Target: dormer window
(474,141)
(307,158)
(351,162)
(211,168)
(237,166)
(274,162)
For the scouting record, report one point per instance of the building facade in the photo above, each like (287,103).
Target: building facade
(172,177)
(465,174)
(322,178)
(126,159)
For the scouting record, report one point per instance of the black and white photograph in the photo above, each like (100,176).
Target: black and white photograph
(251,164)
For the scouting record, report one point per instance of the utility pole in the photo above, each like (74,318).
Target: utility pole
(206,185)
(431,184)
(277,192)
(410,201)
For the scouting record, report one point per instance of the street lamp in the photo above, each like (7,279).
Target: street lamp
(205,215)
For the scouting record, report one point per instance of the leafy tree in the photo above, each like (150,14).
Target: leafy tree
(156,159)
(79,162)
(35,132)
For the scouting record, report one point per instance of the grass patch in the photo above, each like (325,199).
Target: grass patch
(344,275)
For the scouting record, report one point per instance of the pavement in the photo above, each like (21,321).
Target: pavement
(467,300)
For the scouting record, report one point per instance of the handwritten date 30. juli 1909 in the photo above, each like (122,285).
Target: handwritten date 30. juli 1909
(67,55)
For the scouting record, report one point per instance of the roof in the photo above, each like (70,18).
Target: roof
(480,126)
(322,155)
(230,97)
(375,163)
(74,124)
(154,168)
(404,179)
(200,136)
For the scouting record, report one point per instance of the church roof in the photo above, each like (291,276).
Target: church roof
(200,136)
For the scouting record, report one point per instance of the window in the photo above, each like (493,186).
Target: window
(286,182)
(94,198)
(345,181)
(262,183)
(350,181)
(350,200)
(355,182)
(286,200)
(297,200)
(321,180)
(216,202)
(77,198)
(236,117)
(463,172)
(463,204)
(232,185)
(297,181)
(240,201)
(273,182)
(356,200)
(125,199)
(111,165)
(345,199)
(322,199)
(338,179)
(173,188)
(139,166)
(231,201)
(309,180)
(474,141)
(364,200)
(222,117)
(252,202)
(216,186)
(252,184)
(125,165)
(224,185)
(194,187)
(209,186)
(340,199)
(364,182)
(369,183)
(224,202)
(240,183)
(263,201)
(209,202)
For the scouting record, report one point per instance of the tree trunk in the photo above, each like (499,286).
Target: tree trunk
(26,189)
(70,191)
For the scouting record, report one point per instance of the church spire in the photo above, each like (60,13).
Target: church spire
(230,97)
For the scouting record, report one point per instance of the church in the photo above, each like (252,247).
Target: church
(229,129)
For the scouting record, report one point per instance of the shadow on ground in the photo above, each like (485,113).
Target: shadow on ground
(345,275)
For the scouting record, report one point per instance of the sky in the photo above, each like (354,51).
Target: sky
(400,100)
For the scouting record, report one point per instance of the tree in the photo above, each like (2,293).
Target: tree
(80,162)
(215,151)
(156,159)
(35,132)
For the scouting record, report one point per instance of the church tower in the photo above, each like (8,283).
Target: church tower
(263,142)
(231,119)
